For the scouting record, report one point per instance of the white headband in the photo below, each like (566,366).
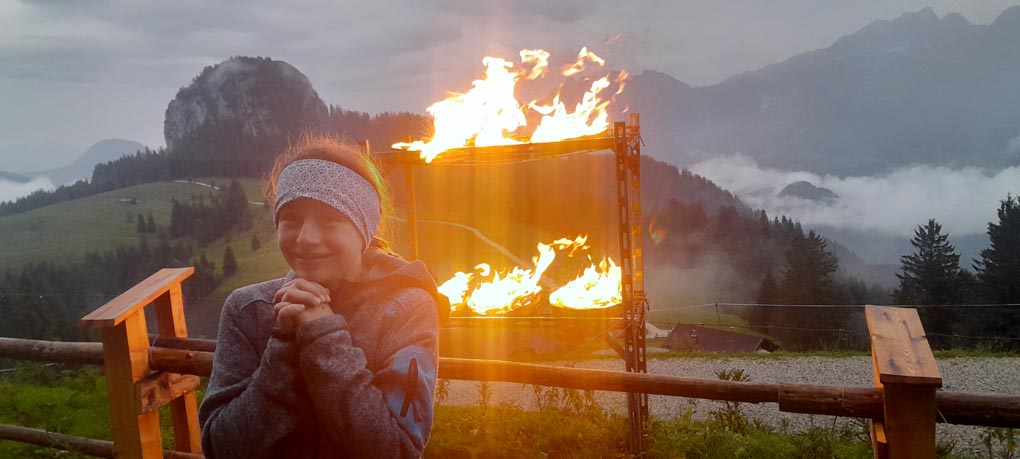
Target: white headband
(333,185)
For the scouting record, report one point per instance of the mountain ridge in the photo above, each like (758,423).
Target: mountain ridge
(917,89)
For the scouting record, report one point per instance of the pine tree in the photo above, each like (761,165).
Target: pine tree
(229,262)
(808,280)
(767,290)
(808,274)
(930,275)
(255,242)
(150,224)
(140,224)
(180,218)
(998,270)
(998,276)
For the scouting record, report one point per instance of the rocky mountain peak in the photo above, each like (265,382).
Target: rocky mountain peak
(1008,19)
(256,96)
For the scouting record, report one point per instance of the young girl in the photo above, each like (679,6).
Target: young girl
(338,358)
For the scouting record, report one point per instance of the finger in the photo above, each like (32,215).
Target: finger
(277,307)
(288,311)
(322,293)
(286,317)
(313,287)
(288,286)
(301,296)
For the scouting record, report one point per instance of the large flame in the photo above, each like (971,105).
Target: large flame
(486,292)
(597,287)
(489,113)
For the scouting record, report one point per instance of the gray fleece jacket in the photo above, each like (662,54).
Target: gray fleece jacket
(358,383)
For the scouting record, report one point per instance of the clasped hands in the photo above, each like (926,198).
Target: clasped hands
(298,302)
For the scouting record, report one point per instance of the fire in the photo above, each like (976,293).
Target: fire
(486,292)
(489,113)
(597,287)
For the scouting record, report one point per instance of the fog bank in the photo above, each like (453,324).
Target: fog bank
(962,200)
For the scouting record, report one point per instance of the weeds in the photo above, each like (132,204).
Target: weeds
(1000,443)
(730,416)
(484,389)
(442,390)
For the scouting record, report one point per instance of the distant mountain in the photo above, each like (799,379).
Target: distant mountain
(885,249)
(806,190)
(918,89)
(101,152)
(12,177)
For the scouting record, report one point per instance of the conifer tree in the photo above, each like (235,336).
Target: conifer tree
(150,224)
(930,275)
(140,224)
(998,270)
(808,274)
(808,279)
(180,218)
(255,242)
(767,290)
(229,262)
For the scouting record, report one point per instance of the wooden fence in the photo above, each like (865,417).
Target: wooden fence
(146,372)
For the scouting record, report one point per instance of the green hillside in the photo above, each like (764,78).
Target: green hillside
(66,231)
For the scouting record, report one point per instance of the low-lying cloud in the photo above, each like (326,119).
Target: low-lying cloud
(962,200)
(10,191)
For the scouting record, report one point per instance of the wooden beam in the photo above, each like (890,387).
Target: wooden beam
(900,348)
(191,344)
(993,410)
(858,402)
(51,351)
(126,360)
(181,361)
(905,369)
(577,378)
(87,446)
(183,405)
(161,388)
(143,293)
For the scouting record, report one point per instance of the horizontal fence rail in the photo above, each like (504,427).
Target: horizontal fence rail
(87,446)
(194,357)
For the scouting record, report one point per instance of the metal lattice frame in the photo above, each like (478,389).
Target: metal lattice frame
(625,142)
(627,146)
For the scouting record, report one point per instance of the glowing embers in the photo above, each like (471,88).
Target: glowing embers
(518,291)
(489,113)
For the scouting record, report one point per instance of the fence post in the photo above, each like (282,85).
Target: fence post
(184,409)
(905,369)
(134,427)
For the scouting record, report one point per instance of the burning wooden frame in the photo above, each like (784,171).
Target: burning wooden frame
(625,319)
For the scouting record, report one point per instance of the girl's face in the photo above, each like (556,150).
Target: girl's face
(319,243)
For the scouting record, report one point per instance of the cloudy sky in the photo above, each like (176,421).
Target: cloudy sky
(73,72)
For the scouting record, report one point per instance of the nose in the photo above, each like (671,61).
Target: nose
(309,234)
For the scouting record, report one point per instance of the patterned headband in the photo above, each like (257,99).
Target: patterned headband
(335,186)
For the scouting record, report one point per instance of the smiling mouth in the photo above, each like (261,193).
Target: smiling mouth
(311,258)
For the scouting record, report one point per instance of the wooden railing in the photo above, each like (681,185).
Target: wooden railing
(145,372)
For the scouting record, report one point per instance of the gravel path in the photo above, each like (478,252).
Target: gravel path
(995,375)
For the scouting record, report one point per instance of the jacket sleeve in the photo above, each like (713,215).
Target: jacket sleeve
(387,413)
(253,401)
